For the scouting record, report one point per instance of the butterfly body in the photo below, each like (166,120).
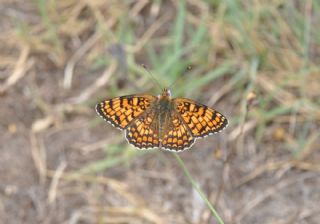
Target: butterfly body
(161,122)
(164,107)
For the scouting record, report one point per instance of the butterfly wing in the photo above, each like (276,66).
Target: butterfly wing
(143,132)
(200,119)
(177,136)
(121,111)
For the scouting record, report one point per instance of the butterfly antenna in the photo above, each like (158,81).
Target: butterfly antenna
(188,68)
(154,79)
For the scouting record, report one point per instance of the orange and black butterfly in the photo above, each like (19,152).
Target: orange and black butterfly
(160,121)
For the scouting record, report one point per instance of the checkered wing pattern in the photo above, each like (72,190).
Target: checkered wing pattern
(200,119)
(121,111)
(143,133)
(177,136)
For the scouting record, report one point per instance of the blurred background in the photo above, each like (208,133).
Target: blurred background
(255,61)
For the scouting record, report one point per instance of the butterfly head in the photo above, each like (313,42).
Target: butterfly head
(166,93)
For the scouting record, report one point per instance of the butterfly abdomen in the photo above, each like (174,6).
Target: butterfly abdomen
(165,107)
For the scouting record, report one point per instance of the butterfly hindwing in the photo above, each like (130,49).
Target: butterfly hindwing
(143,132)
(200,119)
(121,111)
(177,136)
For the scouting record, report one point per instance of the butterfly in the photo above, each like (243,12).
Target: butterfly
(161,121)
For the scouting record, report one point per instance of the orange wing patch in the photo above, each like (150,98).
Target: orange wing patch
(201,120)
(177,137)
(144,131)
(121,111)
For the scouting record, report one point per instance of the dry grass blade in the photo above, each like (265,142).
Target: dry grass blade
(136,9)
(148,34)
(258,171)
(270,192)
(89,148)
(312,144)
(42,124)
(22,66)
(245,128)
(38,155)
(101,81)
(52,195)
(143,213)
(68,72)
(277,165)
(138,205)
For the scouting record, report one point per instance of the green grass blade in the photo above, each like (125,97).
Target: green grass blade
(197,188)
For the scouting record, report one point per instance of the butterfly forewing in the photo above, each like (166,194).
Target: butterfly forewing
(200,119)
(121,111)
